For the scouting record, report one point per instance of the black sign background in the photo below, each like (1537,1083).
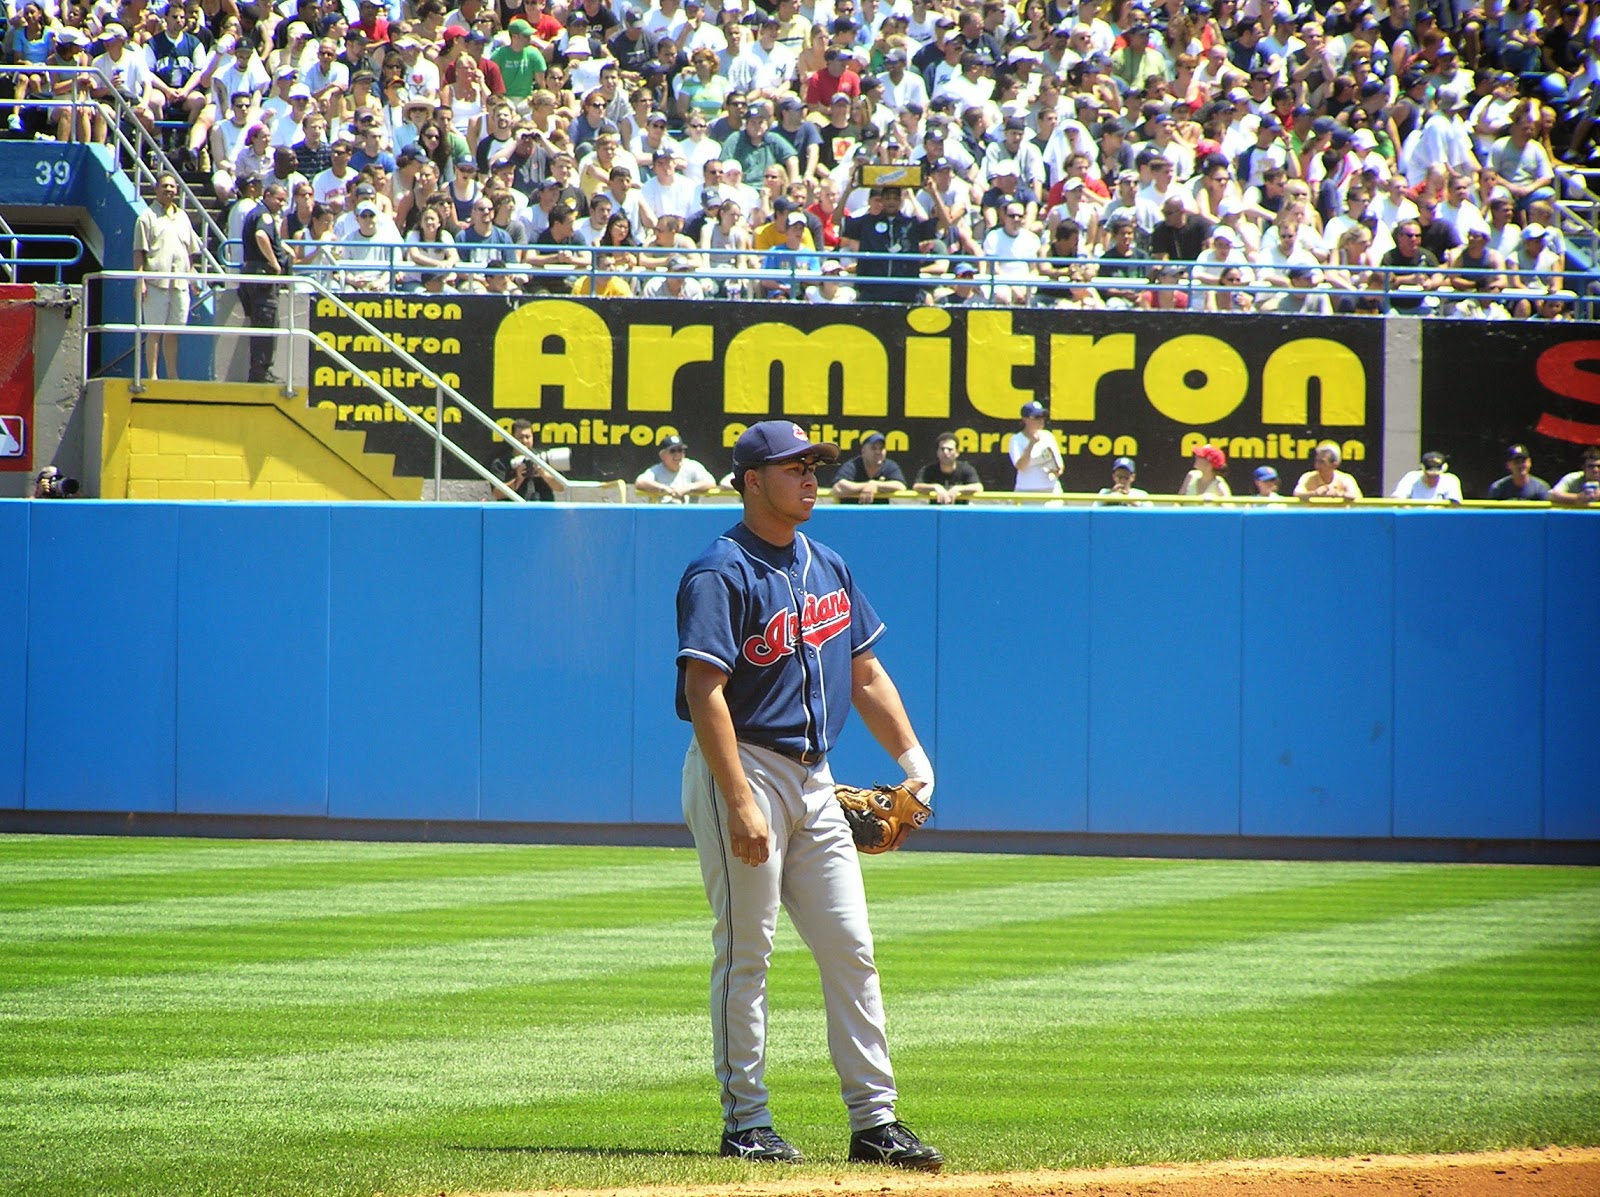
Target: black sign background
(1490,384)
(1151,385)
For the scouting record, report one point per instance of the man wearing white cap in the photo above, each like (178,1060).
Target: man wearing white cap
(126,73)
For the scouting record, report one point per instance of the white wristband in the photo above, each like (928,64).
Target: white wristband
(918,768)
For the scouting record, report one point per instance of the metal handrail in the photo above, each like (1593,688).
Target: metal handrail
(134,150)
(12,259)
(442,389)
(396,263)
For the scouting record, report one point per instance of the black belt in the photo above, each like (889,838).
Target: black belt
(806,756)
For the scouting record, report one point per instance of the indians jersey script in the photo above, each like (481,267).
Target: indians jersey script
(783,624)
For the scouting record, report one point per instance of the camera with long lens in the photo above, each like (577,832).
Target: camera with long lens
(52,484)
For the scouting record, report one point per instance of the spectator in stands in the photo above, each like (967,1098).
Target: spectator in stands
(1413,273)
(1206,479)
(164,242)
(1519,482)
(1011,254)
(487,248)
(1035,453)
(1325,479)
(677,477)
(901,239)
(556,253)
(1266,481)
(84,120)
(947,479)
(174,58)
(871,476)
(1581,488)
(1124,492)
(525,471)
(1433,483)
(266,255)
(431,249)
(1533,267)
(677,283)
(832,287)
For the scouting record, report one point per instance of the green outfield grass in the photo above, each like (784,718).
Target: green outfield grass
(190,1016)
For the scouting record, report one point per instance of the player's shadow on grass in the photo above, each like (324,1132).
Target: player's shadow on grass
(552,1149)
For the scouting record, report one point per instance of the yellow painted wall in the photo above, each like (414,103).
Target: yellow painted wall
(183,440)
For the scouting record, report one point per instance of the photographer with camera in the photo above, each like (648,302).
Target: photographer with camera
(52,484)
(525,471)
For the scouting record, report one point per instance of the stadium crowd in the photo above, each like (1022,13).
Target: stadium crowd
(1246,156)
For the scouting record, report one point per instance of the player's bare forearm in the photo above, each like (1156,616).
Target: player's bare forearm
(875,698)
(705,691)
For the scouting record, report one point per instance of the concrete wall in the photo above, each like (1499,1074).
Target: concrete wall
(1327,674)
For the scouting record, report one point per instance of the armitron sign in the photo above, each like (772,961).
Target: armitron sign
(610,377)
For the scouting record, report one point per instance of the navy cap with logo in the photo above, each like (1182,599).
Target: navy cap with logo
(1123,463)
(1433,462)
(1033,410)
(773,441)
(1266,474)
(672,442)
(1516,452)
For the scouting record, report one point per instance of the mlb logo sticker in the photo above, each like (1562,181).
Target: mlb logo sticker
(13,436)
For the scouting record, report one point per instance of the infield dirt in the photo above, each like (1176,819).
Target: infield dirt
(1552,1172)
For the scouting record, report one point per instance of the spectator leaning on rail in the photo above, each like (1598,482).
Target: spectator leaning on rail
(1519,482)
(1433,482)
(677,477)
(1325,479)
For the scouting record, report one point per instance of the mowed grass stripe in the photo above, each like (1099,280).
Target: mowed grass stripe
(174,915)
(546,1058)
(25,859)
(438,969)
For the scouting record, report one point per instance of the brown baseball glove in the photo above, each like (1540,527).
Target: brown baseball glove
(882,817)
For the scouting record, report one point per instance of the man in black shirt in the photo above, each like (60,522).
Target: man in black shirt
(887,230)
(1416,270)
(266,254)
(1182,234)
(870,477)
(524,471)
(948,479)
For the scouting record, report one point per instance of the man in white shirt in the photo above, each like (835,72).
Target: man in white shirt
(667,191)
(767,66)
(1433,482)
(1012,253)
(1035,452)
(127,73)
(901,87)
(678,478)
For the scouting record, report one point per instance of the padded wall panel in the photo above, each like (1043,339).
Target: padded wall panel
(1317,691)
(1163,664)
(405,676)
(557,662)
(892,552)
(13,650)
(253,658)
(102,664)
(1469,677)
(1572,676)
(1013,685)
(665,540)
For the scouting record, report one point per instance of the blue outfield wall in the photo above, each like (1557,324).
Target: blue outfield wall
(1222,673)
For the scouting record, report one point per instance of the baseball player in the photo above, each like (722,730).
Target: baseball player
(775,644)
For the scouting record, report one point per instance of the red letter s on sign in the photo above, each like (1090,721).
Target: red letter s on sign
(1560,369)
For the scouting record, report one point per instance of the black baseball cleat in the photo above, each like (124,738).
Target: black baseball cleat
(893,1143)
(760,1143)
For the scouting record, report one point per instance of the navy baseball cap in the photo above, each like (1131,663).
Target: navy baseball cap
(1266,474)
(777,440)
(1123,463)
(1033,409)
(874,438)
(672,442)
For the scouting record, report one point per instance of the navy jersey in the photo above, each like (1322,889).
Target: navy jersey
(783,624)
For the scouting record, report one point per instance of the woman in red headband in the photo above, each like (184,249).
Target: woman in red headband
(1206,478)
